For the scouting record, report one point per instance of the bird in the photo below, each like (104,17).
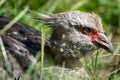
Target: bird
(74,35)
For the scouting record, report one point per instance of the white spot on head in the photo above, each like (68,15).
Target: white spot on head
(74,46)
(63,36)
(15,33)
(61,50)
(64,44)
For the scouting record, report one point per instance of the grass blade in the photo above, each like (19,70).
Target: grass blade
(42,51)
(14,21)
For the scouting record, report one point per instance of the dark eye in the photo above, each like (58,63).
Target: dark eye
(86,30)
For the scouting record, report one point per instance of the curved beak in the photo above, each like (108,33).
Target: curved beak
(103,42)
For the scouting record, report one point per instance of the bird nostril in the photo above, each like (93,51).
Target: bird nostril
(105,41)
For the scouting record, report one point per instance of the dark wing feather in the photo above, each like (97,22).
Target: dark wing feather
(22,42)
(24,34)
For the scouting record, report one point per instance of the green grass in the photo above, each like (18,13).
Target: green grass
(100,65)
(42,52)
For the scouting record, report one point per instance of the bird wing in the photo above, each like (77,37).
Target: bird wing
(24,34)
(22,42)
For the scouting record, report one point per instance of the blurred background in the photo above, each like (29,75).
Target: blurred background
(109,10)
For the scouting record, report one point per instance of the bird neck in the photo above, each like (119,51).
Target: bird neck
(62,51)
(72,63)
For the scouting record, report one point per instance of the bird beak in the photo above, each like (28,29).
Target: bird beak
(103,42)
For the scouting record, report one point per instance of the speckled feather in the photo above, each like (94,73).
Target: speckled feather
(73,18)
(66,27)
(22,43)
(66,45)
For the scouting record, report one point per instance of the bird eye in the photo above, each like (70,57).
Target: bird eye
(86,30)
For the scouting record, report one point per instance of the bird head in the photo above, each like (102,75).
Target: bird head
(76,32)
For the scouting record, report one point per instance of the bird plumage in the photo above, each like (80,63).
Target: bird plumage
(22,43)
(74,34)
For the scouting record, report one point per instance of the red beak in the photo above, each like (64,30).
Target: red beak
(102,42)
